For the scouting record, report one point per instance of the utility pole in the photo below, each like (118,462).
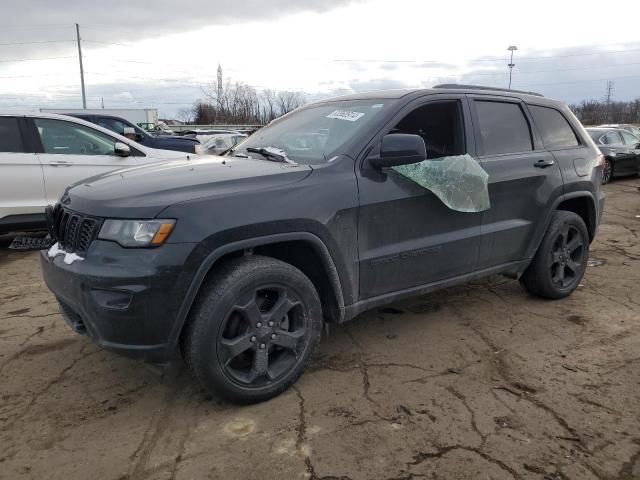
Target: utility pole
(512,48)
(102,102)
(84,97)
(610,85)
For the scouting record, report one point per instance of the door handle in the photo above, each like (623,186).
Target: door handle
(60,163)
(543,163)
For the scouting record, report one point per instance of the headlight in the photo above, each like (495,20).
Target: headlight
(197,149)
(136,233)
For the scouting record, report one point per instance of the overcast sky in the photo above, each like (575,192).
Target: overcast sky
(164,53)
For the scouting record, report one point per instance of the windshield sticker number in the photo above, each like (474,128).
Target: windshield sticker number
(346,115)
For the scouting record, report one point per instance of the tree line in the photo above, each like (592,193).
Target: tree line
(595,112)
(240,104)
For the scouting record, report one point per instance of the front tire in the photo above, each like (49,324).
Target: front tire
(255,325)
(561,260)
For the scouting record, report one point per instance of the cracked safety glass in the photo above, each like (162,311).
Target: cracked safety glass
(458,181)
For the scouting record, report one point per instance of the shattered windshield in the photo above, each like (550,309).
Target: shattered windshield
(315,134)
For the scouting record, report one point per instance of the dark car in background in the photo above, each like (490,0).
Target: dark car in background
(623,126)
(164,142)
(621,151)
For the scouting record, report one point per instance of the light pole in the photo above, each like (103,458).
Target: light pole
(512,48)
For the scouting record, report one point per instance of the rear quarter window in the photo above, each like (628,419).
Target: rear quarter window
(10,139)
(503,128)
(553,127)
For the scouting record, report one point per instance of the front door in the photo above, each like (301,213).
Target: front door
(72,152)
(523,176)
(407,237)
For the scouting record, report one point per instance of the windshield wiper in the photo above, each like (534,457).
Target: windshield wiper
(231,152)
(272,153)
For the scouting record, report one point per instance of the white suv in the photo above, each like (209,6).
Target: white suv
(40,154)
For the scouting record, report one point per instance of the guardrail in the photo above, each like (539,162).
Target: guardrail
(182,128)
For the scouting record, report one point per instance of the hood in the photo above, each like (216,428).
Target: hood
(161,154)
(144,191)
(168,136)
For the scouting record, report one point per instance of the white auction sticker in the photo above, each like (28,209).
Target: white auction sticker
(346,115)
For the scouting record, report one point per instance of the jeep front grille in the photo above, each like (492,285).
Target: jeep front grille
(73,231)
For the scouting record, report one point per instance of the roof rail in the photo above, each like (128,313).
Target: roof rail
(479,87)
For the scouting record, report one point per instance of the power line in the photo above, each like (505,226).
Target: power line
(34,59)
(575,81)
(491,59)
(559,69)
(107,43)
(34,43)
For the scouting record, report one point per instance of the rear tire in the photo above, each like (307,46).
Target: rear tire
(256,323)
(561,260)
(607,171)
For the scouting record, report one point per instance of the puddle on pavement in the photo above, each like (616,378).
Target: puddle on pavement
(596,262)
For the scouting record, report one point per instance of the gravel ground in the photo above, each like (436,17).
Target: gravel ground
(479,381)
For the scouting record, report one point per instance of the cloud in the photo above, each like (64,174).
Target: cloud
(117,21)
(376,84)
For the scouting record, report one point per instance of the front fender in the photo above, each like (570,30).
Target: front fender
(207,259)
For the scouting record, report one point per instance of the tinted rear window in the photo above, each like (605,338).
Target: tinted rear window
(10,139)
(503,128)
(553,127)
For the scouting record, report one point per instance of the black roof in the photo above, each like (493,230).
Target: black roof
(444,88)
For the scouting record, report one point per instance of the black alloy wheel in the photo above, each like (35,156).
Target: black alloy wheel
(567,257)
(262,335)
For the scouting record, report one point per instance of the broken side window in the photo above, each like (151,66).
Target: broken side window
(449,172)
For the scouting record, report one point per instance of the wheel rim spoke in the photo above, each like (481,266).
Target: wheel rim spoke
(573,266)
(574,244)
(289,340)
(251,311)
(236,346)
(280,309)
(558,277)
(260,363)
(564,235)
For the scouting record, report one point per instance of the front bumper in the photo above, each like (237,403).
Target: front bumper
(125,300)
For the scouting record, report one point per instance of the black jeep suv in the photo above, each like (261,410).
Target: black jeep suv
(235,262)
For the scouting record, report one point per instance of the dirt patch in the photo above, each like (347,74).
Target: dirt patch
(477,381)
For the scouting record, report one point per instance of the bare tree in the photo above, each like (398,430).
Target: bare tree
(186,115)
(289,101)
(239,103)
(594,112)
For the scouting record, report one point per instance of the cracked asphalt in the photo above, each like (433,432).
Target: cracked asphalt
(480,381)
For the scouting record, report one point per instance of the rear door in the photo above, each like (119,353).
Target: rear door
(633,144)
(21,177)
(523,176)
(573,156)
(70,152)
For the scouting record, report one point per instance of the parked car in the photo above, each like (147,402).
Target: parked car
(624,126)
(217,144)
(621,151)
(202,134)
(236,262)
(163,142)
(40,154)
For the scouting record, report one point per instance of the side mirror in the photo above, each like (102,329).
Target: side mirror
(121,149)
(400,149)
